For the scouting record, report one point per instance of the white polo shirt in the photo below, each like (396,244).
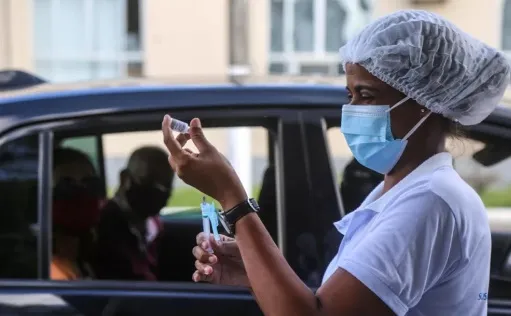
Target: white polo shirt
(423,247)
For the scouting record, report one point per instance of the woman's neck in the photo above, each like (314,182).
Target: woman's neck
(405,167)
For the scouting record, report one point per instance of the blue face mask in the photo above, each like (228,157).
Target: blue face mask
(369,136)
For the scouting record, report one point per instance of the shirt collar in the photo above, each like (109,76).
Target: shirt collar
(376,202)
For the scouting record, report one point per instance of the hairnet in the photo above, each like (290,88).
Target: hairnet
(433,62)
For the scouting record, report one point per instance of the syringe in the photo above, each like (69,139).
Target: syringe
(205,222)
(213,218)
(179,126)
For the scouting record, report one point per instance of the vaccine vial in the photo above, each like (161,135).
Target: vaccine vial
(179,126)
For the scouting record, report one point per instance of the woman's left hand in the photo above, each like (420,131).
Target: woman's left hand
(208,171)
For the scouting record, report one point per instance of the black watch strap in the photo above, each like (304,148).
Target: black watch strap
(230,217)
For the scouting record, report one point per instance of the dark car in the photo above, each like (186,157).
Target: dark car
(299,194)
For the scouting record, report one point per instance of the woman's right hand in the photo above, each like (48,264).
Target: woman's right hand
(224,266)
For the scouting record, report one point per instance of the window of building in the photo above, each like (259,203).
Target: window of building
(87,39)
(306,35)
(19,163)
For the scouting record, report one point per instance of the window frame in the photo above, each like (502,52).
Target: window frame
(292,59)
(112,123)
(44,202)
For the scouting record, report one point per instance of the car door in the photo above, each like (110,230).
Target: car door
(119,298)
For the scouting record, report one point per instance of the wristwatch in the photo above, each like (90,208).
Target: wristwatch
(229,218)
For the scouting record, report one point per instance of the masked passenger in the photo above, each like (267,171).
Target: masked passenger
(76,212)
(129,230)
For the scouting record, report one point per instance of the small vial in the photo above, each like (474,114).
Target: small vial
(179,126)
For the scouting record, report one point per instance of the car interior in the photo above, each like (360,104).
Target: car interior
(181,226)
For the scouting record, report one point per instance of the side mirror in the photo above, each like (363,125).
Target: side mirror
(492,154)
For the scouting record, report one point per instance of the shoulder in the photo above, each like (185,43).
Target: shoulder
(468,210)
(442,193)
(449,185)
(418,204)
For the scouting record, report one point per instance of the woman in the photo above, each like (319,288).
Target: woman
(420,242)
(76,210)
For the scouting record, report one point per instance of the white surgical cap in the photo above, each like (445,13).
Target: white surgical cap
(433,62)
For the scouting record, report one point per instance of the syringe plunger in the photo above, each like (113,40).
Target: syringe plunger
(179,126)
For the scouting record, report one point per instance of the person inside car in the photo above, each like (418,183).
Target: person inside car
(357,182)
(130,227)
(76,212)
(420,242)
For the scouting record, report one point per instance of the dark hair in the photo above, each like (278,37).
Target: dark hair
(63,156)
(147,156)
(452,128)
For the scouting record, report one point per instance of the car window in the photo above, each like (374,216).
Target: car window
(18,220)
(340,153)
(492,183)
(355,181)
(184,200)
(87,144)
(105,240)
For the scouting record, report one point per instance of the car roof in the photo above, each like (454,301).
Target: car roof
(45,89)
(49,101)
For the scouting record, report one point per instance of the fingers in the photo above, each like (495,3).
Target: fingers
(200,238)
(203,268)
(203,255)
(196,155)
(182,139)
(197,136)
(203,273)
(172,163)
(171,143)
(202,241)
(224,238)
(200,277)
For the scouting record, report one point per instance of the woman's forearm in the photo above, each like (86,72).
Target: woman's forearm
(278,290)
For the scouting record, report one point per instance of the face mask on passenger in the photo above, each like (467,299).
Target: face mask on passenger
(147,198)
(76,205)
(368,133)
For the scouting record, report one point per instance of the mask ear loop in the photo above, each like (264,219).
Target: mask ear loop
(398,104)
(419,123)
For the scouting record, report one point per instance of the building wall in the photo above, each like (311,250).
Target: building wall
(16,50)
(199,47)
(185,38)
(482,19)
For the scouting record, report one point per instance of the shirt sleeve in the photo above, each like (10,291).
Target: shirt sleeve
(407,250)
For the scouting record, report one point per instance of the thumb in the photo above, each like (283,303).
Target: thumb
(197,135)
